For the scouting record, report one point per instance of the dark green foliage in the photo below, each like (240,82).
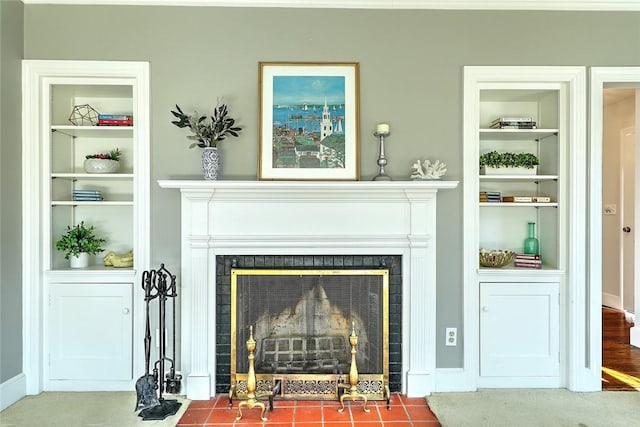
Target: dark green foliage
(80,238)
(494,159)
(207,130)
(111,155)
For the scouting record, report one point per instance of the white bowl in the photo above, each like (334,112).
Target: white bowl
(101,166)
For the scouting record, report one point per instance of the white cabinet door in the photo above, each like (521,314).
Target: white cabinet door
(90,331)
(519,330)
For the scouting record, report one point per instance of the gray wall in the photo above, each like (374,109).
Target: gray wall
(411,76)
(11,30)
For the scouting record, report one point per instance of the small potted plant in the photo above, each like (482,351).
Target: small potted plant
(103,162)
(495,163)
(208,132)
(78,243)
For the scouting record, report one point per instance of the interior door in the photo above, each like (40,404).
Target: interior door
(627,172)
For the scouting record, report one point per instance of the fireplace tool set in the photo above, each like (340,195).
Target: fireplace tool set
(158,285)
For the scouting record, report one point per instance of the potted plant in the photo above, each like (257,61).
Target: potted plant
(103,162)
(208,132)
(506,163)
(78,243)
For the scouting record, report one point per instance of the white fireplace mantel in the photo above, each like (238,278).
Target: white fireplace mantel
(308,218)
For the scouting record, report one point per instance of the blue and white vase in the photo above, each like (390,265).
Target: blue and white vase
(210,163)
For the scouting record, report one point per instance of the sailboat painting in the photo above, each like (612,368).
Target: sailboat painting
(309,121)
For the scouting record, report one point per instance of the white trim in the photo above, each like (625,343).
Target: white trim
(12,390)
(634,337)
(600,76)
(585,5)
(611,300)
(453,380)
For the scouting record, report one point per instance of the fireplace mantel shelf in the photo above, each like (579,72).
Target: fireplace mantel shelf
(370,186)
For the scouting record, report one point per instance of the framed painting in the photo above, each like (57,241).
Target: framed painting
(309,121)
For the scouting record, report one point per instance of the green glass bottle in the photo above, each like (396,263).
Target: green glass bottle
(531,245)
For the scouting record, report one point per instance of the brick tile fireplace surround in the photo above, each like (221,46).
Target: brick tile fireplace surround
(221,218)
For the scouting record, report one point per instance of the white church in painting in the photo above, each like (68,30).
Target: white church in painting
(326,128)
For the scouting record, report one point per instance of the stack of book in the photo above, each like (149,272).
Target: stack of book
(527,199)
(490,196)
(513,123)
(115,120)
(527,261)
(87,195)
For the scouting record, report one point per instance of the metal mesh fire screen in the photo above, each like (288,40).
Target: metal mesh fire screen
(301,322)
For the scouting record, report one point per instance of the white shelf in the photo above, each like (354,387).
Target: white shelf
(96,176)
(518,205)
(102,131)
(531,178)
(91,203)
(510,270)
(516,134)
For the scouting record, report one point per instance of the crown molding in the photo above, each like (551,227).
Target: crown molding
(558,5)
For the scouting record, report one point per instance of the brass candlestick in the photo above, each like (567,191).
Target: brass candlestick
(353,375)
(251,401)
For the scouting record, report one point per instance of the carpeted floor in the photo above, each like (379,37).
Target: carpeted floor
(536,408)
(86,409)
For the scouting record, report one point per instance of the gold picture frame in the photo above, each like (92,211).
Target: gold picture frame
(309,121)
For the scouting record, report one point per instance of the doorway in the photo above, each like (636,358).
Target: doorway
(611,89)
(618,198)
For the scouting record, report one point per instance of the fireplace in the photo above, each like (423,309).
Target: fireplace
(302,318)
(361,220)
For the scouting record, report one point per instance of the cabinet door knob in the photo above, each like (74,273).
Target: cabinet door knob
(485,308)
(626,229)
(125,310)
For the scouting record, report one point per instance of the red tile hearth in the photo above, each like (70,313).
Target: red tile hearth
(405,412)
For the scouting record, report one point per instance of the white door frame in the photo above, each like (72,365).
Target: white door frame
(600,76)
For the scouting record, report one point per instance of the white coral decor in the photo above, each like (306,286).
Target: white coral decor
(427,170)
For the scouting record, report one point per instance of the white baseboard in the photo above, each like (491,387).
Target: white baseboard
(453,380)
(12,390)
(629,317)
(634,333)
(611,300)
(519,382)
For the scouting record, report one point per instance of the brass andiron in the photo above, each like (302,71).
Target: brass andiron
(353,375)
(251,401)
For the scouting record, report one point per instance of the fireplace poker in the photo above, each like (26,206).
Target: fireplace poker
(146,385)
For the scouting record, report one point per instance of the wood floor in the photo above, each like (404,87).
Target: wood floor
(620,360)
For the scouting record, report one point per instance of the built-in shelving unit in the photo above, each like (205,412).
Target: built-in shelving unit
(74,304)
(532,352)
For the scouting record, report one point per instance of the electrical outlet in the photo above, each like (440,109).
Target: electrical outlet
(451,336)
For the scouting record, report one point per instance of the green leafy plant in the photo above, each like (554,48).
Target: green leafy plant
(80,238)
(111,155)
(495,159)
(208,131)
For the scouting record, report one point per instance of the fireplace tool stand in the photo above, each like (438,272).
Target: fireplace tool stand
(155,286)
(353,376)
(251,401)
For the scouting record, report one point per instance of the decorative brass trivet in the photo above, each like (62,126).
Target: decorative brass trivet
(353,375)
(251,401)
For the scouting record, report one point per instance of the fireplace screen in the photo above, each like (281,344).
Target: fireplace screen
(301,322)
